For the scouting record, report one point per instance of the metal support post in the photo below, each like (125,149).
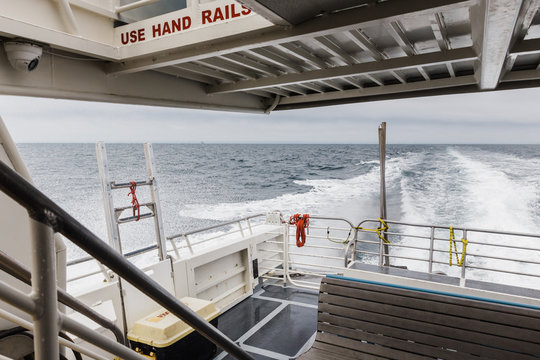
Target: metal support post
(158,222)
(464,255)
(431,245)
(106,190)
(44,292)
(383,214)
(286,254)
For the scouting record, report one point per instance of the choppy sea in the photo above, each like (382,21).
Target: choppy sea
(481,186)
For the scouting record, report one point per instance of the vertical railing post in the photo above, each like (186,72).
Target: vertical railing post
(383,214)
(112,226)
(44,292)
(240,227)
(286,254)
(431,244)
(249,226)
(158,219)
(464,254)
(188,243)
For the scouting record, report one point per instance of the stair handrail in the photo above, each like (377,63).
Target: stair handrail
(45,211)
(18,270)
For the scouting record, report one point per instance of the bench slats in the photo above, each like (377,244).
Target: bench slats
(461,322)
(432,339)
(437,303)
(367,349)
(359,320)
(382,340)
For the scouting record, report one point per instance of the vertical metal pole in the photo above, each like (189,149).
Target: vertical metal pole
(158,222)
(382,158)
(110,217)
(240,227)
(286,254)
(463,265)
(44,292)
(431,244)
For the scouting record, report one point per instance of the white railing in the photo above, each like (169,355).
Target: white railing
(490,255)
(511,258)
(325,252)
(177,242)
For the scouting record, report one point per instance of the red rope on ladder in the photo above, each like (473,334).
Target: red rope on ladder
(302,223)
(134,201)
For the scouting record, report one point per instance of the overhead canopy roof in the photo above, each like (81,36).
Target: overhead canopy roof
(290,54)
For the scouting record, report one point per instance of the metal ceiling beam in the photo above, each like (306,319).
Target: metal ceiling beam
(351,81)
(395,29)
(252,64)
(363,42)
(423,72)
(331,84)
(184,74)
(387,11)
(226,66)
(274,57)
(522,75)
(492,26)
(374,79)
(439,31)
(335,50)
(380,90)
(263,11)
(199,69)
(342,71)
(303,54)
(451,71)
(313,87)
(526,47)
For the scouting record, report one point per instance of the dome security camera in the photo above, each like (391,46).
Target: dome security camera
(23,56)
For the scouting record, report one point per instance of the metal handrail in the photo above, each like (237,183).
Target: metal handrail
(217,226)
(466,235)
(13,267)
(43,210)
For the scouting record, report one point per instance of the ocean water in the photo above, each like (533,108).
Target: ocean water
(480,186)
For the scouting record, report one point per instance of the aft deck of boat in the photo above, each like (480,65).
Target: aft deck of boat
(276,322)
(280,322)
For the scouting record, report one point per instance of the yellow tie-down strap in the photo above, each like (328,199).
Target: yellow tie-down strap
(378,230)
(463,252)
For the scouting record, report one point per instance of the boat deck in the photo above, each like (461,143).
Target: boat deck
(276,322)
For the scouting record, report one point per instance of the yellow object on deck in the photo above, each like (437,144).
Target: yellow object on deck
(162,329)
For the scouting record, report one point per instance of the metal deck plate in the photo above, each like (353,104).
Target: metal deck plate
(275,323)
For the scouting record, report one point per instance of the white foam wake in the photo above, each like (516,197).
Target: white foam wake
(331,197)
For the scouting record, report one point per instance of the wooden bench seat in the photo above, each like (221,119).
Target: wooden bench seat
(368,320)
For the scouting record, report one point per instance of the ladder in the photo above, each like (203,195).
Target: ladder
(113,215)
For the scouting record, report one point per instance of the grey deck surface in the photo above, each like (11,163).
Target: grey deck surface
(275,323)
(450,280)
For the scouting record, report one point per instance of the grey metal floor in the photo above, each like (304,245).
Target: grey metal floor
(274,323)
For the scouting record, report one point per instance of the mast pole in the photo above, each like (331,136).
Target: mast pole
(383,214)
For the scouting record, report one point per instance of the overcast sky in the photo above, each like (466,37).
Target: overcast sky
(495,117)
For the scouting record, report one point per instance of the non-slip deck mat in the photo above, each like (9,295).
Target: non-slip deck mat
(242,317)
(288,331)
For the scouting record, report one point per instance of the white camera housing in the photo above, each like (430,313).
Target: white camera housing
(23,56)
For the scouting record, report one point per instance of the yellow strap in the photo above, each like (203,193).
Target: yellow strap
(463,252)
(378,230)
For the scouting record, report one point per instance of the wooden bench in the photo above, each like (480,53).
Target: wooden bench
(368,320)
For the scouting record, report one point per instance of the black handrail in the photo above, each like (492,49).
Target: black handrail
(44,210)
(19,271)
